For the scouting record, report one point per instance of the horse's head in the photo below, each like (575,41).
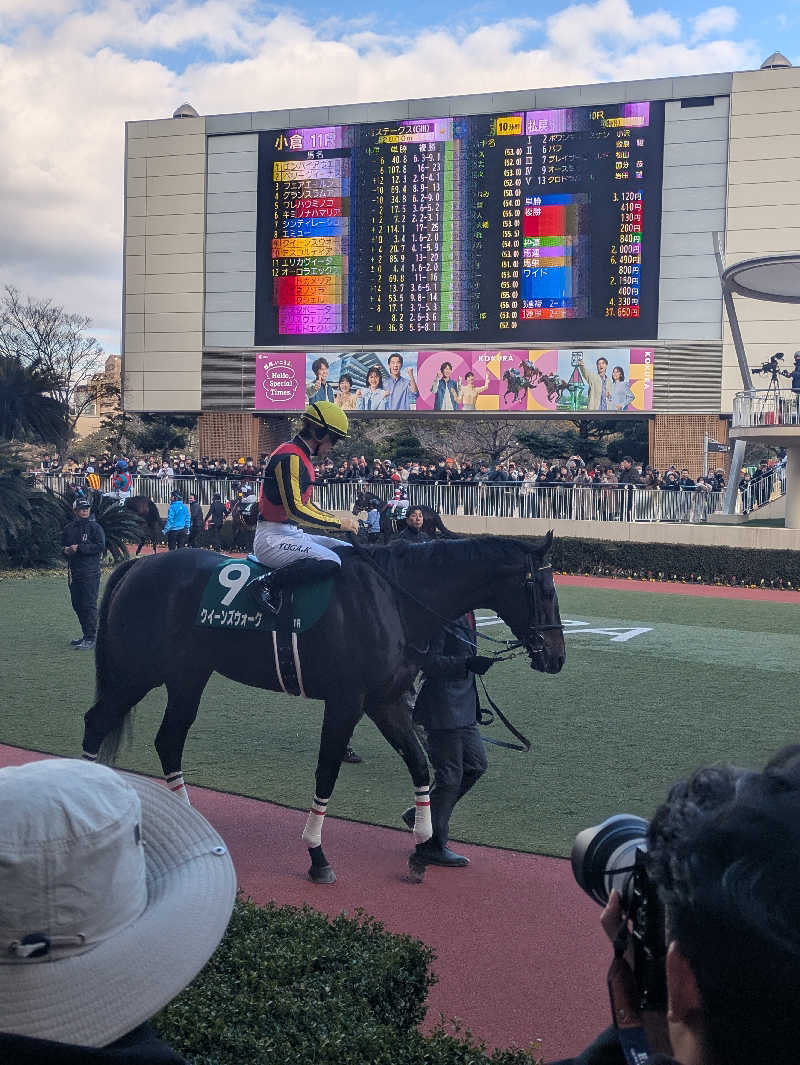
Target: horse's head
(366,501)
(533,616)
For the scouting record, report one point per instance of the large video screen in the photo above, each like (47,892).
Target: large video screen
(537,225)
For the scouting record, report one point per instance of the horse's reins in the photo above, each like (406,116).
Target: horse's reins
(510,648)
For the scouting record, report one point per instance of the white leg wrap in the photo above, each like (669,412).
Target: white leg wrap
(423,829)
(177,787)
(312,833)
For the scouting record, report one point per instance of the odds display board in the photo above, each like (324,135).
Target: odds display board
(517,228)
(561,380)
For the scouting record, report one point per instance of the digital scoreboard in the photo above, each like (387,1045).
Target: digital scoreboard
(513,228)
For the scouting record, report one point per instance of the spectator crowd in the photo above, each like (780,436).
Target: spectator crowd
(693,498)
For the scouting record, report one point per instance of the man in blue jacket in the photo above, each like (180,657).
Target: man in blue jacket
(179,522)
(447,706)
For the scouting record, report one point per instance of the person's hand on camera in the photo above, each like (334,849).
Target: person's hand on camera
(479,664)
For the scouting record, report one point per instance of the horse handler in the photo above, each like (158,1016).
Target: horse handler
(447,706)
(84,542)
(285,506)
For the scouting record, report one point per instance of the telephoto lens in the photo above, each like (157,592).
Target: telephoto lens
(603,856)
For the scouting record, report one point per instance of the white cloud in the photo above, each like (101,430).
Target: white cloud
(714,21)
(73,71)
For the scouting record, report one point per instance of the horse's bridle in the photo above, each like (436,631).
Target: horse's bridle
(533,641)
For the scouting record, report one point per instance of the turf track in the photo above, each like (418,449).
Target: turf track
(714,678)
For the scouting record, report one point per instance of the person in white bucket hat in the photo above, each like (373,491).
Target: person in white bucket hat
(113,896)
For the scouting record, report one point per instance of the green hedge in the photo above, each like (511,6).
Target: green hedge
(747,567)
(292,986)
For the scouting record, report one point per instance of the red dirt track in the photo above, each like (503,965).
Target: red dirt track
(710,591)
(520,954)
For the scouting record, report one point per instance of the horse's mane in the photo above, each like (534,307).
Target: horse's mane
(400,557)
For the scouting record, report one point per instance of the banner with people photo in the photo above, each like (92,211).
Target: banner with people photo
(565,380)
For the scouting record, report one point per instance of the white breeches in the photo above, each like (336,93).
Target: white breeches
(278,545)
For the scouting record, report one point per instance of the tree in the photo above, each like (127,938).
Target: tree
(162,432)
(28,410)
(41,334)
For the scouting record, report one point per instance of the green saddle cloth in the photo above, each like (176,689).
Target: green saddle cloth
(228,603)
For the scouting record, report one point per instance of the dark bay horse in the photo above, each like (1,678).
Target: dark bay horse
(432,524)
(147,512)
(387,603)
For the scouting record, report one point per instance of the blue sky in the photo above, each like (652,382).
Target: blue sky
(73,71)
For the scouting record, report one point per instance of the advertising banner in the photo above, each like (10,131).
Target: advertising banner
(280,381)
(524,380)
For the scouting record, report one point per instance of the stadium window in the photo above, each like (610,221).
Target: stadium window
(698,101)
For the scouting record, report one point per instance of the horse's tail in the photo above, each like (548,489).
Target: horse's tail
(441,528)
(153,516)
(110,745)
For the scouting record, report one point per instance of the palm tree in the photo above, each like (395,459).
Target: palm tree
(27,409)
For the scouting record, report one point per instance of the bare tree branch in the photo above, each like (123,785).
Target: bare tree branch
(41,333)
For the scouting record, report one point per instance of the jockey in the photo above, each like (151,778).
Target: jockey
(294,555)
(399,505)
(121,481)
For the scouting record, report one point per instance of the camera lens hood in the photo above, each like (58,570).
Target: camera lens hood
(600,852)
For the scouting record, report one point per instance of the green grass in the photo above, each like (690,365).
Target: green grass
(714,679)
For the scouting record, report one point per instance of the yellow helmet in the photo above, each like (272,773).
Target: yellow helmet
(327,416)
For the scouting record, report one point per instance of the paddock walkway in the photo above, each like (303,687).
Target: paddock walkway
(520,954)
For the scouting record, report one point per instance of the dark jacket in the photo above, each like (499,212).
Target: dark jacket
(91,540)
(414,536)
(139,1047)
(629,476)
(448,698)
(216,513)
(196,514)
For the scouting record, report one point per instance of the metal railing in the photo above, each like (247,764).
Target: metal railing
(764,489)
(602,502)
(606,502)
(765,407)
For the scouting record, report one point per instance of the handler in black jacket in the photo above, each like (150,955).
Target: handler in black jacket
(84,542)
(447,706)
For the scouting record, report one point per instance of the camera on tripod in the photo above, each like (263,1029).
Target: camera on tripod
(770,366)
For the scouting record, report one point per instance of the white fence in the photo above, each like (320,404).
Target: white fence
(766,407)
(607,502)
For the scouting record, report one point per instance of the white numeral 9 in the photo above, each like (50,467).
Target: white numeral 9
(234,578)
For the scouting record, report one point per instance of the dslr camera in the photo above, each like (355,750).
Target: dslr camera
(770,366)
(614,855)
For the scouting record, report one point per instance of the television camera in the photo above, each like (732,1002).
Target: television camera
(771,366)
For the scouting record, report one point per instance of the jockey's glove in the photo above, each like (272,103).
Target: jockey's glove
(479,664)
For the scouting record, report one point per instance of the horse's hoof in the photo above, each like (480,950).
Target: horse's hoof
(322,874)
(416,869)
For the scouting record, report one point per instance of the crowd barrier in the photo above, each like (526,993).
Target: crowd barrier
(759,407)
(605,502)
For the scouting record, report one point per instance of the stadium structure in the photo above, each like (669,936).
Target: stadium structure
(520,236)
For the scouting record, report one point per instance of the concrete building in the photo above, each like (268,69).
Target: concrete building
(731,165)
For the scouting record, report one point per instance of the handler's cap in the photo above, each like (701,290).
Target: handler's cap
(328,416)
(175,494)
(113,895)
(81,504)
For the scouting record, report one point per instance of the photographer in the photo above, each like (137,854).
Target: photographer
(723,857)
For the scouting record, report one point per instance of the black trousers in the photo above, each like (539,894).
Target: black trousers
(215,536)
(83,593)
(176,538)
(195,533)
(459,761)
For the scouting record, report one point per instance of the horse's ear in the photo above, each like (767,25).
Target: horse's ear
(547,543)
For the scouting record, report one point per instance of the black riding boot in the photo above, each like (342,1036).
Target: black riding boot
(268,589)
